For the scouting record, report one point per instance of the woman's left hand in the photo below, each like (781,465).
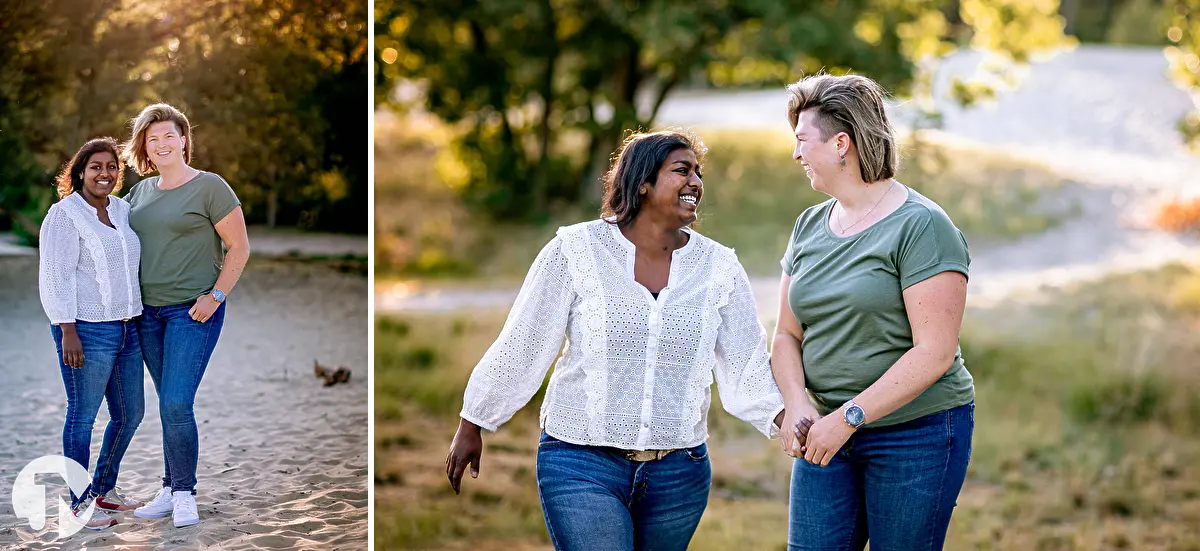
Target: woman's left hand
(204,308)
(825,438)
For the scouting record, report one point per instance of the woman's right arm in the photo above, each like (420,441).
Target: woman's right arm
(58,258)
(787,365)
(513,368)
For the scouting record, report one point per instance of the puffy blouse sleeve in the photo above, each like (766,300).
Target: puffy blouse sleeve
(744,379)
(58,250)
(513,368)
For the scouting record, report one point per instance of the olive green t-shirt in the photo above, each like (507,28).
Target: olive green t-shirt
(182,253)
(846,292)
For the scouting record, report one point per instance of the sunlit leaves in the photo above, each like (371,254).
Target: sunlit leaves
(265,83)
(1183,57)
(520,78)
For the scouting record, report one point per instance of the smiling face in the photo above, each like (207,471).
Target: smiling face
(100,174)
(678,188)
(164,144)
(821,158)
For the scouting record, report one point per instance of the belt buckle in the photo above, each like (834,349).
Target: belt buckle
(642,456)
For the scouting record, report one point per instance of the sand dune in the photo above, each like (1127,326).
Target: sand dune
(283,461)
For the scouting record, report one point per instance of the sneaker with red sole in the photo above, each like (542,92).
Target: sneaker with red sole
(92,518)
(114,500)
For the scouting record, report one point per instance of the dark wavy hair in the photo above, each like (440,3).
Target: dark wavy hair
(637,162)
(70,178)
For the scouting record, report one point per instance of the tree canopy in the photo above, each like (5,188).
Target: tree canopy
(542,92)
(272,88)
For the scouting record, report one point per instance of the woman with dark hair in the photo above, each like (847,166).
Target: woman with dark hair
(88,283)
(652,311)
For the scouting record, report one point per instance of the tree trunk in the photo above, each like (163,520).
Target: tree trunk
(541,177)
(272,200)
(1069,9)
(627,76)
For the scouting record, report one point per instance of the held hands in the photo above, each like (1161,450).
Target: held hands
(466,448)
(204,308)
(824,438)
(791,440)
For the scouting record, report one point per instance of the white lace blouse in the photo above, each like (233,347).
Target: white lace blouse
(87,270)
(636,371)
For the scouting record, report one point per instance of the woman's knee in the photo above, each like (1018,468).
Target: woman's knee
(175,410)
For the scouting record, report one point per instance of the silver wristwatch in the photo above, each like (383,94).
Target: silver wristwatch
(853,414)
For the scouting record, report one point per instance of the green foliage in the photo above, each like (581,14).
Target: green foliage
(1139,22)
(540,93)
(269,87)
(753,193)
(1184,57)
(1127,22)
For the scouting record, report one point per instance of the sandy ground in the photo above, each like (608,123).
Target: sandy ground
(283,460)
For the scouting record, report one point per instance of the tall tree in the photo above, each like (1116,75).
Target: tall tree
(521,79)
(269,85)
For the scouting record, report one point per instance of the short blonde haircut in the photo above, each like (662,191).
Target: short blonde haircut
(135,150)
(852,104)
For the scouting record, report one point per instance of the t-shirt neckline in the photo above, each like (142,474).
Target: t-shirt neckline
(199,173)
(826,218)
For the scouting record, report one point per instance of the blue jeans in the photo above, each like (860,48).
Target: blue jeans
(896,485)
(177,349)
(595,499)
(112,371)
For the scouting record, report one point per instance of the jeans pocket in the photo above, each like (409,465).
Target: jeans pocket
(547,441)
(698,453)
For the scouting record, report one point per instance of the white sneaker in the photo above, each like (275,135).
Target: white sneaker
(184,513)
(98,520)
(158,507)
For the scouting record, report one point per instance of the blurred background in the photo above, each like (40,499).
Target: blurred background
(276,93)
(272,87)
(1061,137)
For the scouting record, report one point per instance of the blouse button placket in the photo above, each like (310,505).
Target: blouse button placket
(655,329)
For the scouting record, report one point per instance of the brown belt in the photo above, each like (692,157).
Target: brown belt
(647,455)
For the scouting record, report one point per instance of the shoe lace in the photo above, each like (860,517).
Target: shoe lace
(98,514)
(82,505)
(188,505)
(162,497)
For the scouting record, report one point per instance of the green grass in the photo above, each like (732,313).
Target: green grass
(753,193)
(1087,434)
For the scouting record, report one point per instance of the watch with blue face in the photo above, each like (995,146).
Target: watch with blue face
(218,295)
(853,414)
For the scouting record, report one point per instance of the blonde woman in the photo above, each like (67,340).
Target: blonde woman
(88,282)
(183,216)
(873,291)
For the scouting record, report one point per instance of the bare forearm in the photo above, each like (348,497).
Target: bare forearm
(914,372)
(235,264)
(788,368)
